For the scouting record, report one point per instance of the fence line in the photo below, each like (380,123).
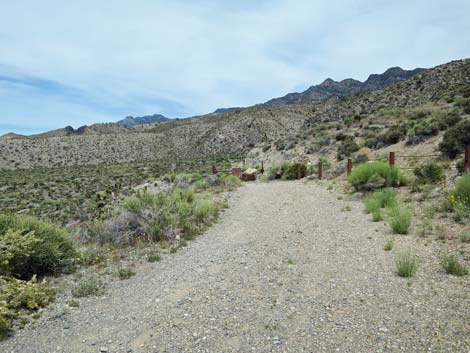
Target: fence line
(349,164)
(392,158)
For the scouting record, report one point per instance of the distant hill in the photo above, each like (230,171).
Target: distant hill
(330,88)
(11,136)
(149,119)
(306,130)
(226,110)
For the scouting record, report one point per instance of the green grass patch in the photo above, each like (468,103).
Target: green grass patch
(407,264)
(452,266)
(125,273)
(465,238)
(389,245)
(375,202)
(399,219)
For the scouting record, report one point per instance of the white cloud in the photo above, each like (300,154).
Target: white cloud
(189,57)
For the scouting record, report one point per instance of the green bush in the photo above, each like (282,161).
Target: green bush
(287,171)
(448,120)
(374,175)
(429,173)
(205,209)
(464,104)
(460,199)
(393,135)
(452,265)
(346,148)
(86,287)
(124,273)
(18,297)
(407,264)
(378,200)
(229,181)
(29,246)
(400,219)
(388,246)
(456,138)
(372,204)
(159,215)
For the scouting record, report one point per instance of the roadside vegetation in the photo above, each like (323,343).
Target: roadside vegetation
(64,194)
(152,220)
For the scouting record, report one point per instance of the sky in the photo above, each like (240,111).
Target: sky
(83,62)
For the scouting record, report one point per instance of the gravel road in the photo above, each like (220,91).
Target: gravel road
(288,268)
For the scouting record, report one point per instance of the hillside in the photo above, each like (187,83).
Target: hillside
(271,129)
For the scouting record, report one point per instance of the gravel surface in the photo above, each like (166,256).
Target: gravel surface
(288,268)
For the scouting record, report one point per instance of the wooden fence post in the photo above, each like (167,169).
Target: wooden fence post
(467,159)
(320,169)
(262,167)
(299,171)
(349,166)
(391,159)
(236,172)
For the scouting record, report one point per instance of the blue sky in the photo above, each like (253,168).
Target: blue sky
(81,62)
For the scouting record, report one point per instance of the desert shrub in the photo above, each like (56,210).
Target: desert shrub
(374,175)
(452,266)
(18,297)
(400,219)
(388,246)
(229,181)
(373,207)
(360,158)
(456,138)
(429,173)
(448,120)
(286,171)
(407,264)
(124,273)
(156,217)
(378,200)
(29,246)
(178,178)
(205,209)
(86,287)
(464,104)
(393,135)
(465,238)
(347,147)
(154,257)
(460,199)
(201,184)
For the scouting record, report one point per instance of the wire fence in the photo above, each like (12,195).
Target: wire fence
(391,159)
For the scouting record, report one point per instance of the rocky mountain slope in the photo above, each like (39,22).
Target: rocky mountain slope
(330,88)
(262,129)
(148,119)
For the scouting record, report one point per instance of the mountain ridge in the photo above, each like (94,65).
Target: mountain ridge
(148,119)
(329,87)
(261,130)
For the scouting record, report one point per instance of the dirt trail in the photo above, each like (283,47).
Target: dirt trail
(287,269)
